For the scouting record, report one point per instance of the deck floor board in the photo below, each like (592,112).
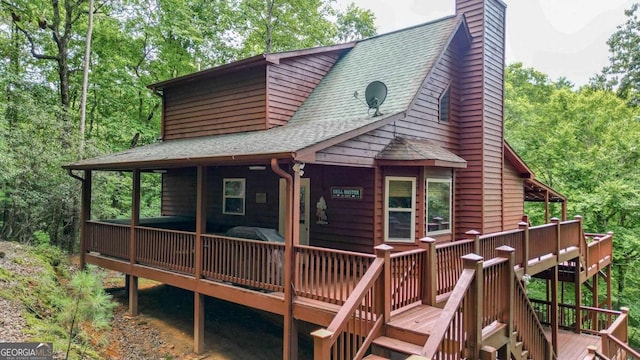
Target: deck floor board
(572,345)
(419,319)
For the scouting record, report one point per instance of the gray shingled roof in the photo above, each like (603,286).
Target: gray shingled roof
(418,149)
(401,60)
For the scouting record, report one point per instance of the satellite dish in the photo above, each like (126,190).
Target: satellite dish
(375,94)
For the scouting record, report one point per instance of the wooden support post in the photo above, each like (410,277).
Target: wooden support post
(525,227)
(546,207)
(556,221)
(577,285)
(384,288)
(608,272)
(133,295)
(201,228)
(430,272)
(474,305)
(475,235)
(564,210)
(508,252)
(85,216)
(322,344)
(554,309)
(198,323)
(135,220)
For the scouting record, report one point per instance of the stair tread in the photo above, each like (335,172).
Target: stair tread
(398,345)
(374,357)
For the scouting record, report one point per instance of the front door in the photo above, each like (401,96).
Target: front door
(305,198)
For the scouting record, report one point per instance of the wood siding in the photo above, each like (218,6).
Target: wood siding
(513,207)
(290,82)
(229,103)
(480,186)
(350,222)
(179,192)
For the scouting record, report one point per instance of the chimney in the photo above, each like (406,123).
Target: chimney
(481,118)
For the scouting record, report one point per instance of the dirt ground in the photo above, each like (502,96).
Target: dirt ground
(164,328)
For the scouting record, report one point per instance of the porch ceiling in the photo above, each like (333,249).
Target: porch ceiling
(536,191)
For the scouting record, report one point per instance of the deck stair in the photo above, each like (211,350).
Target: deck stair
(407,332)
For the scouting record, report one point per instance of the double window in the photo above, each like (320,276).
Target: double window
(233,196)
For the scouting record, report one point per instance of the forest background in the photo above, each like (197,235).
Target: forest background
(582,141)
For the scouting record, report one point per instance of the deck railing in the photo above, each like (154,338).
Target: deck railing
(513,238)
(328,275)
(108,239)
(452,331)
(571,234)
(592,320)
(528,327)
(167,249)
(360,319)
(599,248)
(615,339)
(407,271)
(256,264)
(542,241)
(496,297)
(450,264)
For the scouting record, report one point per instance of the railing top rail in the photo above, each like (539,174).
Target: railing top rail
(165,230)
(602,239)
(543,226)
(569,222)
(502,233)
(616,324)
(407,253)
(214,236)
(453,243)
(107,223)
(594,235)
(494,262)
(335,251)
(603,311)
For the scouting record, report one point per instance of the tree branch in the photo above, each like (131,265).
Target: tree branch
(33,46)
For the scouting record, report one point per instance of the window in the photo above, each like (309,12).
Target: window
(233,196)
(438,209)
(445,105)
(400,209)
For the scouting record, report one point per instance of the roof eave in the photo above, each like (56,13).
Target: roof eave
(183,162)
(423,162)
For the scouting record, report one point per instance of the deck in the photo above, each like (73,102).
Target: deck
(325,282)
(573,345)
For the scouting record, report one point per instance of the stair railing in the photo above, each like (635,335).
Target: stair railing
(453,334)
(362,316)
(529,329)
(615,339)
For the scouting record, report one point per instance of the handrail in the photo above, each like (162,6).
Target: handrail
(614,347)
(108,223)
(325,339)
(628,349)
(450,317)
(526,323)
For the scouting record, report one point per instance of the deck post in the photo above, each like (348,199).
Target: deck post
(554,309)
(475,235)
(85,216)
(322,344)
(508,252)
(198,323)
(135,220)
(556,221)
(546,206)
(384,252)
(430,272)
(525,228)
(608,272)
(201,228)
(475,304)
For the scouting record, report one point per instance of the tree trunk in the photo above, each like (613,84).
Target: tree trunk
(85,78)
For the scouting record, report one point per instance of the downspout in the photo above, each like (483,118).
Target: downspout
(288,348)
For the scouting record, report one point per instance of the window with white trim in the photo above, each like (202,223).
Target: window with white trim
(400,209)
(438,210)
(233,196)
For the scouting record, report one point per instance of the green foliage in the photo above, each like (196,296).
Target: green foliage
(583,143)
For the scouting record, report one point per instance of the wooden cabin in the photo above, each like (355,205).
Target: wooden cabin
(398,234)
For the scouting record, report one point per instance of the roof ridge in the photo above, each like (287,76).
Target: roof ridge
(430,22)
